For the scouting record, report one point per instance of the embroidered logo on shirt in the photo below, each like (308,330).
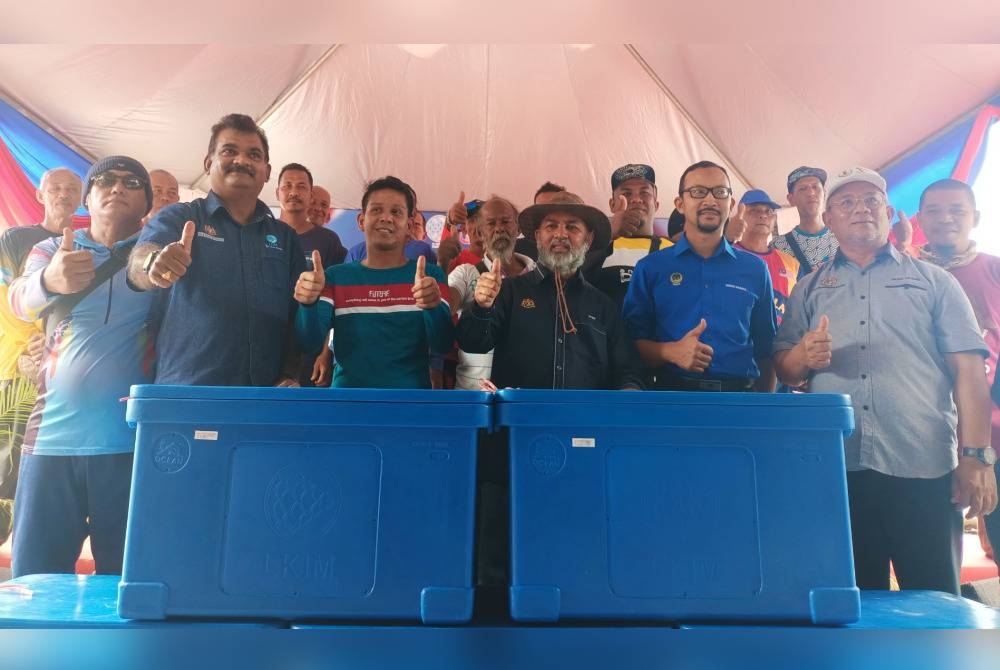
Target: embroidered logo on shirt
(209,232)
(738,288)
(271,242)
(828,281)
(676,278)
(527,303)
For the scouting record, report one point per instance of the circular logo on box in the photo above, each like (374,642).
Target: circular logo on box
(171,452)
(300,499)
(548,455)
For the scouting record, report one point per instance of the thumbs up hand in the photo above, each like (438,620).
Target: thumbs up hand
(310,283)
(488,286)
(737,224)
(625,222)
(173,260)
(457,214)
(69,271)
(818,345)
(690,353)
(426,292)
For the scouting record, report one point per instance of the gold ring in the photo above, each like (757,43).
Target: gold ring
(168,275)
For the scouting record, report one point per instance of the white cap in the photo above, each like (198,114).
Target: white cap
(853,174)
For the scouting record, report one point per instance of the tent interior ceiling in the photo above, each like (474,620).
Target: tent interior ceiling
(505,118)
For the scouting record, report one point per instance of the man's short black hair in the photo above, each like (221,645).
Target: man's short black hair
(296,167)
(950,185)
(698,166)
(393,184)
(241,123)
(548,187)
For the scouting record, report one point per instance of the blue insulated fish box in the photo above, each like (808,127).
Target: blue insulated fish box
(679,506)
(302,503)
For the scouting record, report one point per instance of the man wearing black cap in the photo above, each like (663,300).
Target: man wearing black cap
(550,328)
(633,207)
(228,269)
(76,459)
(810,242)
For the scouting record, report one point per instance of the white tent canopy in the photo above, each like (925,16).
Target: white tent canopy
(505,118)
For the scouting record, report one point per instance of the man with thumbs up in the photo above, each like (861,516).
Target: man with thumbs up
(387,311)
(701,313)
(76,459)
(223,270)
(898,335)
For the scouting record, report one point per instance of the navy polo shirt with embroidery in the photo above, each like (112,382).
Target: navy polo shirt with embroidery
(227,322)
(673,289)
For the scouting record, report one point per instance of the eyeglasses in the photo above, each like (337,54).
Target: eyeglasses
(129,181)
(699,192)
(848,204)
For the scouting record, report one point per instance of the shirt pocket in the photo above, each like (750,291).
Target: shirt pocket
(738,304)
(908,290)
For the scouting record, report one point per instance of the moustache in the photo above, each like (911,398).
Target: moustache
(245,169)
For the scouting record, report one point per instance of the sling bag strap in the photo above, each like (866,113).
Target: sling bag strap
(800,256)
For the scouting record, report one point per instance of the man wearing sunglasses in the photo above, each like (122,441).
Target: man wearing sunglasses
(226,270)
(76,461)
(898,335)
(701,313)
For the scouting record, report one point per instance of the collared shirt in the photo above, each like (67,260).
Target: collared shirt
(94,355)
(892,324)
(784,270)
(327,242)
(673,289)
(817,248)
(227,321)
(531,349)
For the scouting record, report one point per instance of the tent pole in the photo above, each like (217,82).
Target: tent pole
(14,102)
(667,92)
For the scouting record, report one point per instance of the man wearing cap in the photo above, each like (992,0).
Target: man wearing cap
(76,460)
(59,192)
(633,207)
(224,271)
(757,211)
(900,337)
(550,328)
(811,243)
(701,313)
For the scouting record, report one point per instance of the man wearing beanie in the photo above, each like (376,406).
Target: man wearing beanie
(76,462)
(899,336)
(224,271)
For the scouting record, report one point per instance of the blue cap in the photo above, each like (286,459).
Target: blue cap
(757,197)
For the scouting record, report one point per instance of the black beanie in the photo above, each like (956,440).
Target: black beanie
(125,164)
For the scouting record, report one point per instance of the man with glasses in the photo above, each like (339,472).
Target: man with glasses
(76,460)
(701,313)
(224,271)
(898,335)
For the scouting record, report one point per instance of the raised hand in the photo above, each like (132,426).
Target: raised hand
(488,286)
(426,292)
(310,283)
(69,271)
(903,232)
(173,260)
(691,353)
(457,215)
(818,345)
(737,224)
(625,222)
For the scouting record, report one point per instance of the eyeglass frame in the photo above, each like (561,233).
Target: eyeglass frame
(102,181)
(713,190)
(871,203)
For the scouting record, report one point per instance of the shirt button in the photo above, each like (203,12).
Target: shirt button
(864,407)
(862,323)
(864,376)
(862,297)
(559,340)
(558,367)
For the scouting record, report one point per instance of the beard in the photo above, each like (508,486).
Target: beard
(564,262)
(500,246)
(709,227)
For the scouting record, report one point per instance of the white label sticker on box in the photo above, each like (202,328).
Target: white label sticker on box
(206,435)
(588,442)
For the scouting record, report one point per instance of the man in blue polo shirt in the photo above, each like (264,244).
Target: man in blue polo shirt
(225,270)
(701,313)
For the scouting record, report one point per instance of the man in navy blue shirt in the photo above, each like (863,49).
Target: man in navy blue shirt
(225,271)
(701,312)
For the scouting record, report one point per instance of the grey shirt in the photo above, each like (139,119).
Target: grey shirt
(891,325)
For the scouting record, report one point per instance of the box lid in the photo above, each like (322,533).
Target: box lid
(576,396)
(422,396)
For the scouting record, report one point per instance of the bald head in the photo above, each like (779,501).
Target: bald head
(318,213)
(166,190)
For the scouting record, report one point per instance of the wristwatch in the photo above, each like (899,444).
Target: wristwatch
(147,264)
(987,455)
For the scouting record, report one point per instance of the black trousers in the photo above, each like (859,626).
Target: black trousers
(910,522)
